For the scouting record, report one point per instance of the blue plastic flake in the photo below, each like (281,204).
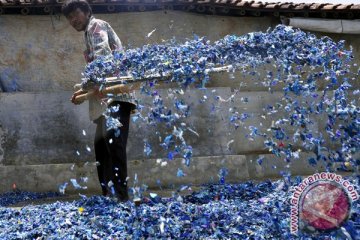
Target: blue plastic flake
(76,184)
(111,122)
(180,173)
(260,160)
(147,148)
(167,141)
(62,188)
(223,172)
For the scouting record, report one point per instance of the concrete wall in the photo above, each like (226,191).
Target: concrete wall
(41,131)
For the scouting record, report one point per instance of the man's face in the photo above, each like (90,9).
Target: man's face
(78,19)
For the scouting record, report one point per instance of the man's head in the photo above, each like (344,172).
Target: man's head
(77,12)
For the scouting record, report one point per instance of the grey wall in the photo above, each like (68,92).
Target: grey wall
(41,131)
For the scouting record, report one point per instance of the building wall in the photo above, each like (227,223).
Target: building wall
(41,131)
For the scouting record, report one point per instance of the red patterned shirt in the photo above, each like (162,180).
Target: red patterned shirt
(100,39)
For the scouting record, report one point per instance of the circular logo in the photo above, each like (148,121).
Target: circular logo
(324,206)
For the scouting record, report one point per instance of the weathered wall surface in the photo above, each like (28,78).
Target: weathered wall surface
(41,131)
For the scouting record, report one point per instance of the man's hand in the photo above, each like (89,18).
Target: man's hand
(77,93)
(97,92)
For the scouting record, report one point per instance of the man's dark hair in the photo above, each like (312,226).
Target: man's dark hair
(71,5)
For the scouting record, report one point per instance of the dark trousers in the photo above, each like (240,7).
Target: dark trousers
(110,151)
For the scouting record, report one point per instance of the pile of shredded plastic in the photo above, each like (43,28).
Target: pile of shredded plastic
(11,198)
(221,211)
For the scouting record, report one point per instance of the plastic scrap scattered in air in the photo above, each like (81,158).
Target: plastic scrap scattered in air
(76,184)
(147,148)
(88,148)
(315,75)
(180,173)
(150,33)
(62,188)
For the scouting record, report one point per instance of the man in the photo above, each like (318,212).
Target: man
(110,148)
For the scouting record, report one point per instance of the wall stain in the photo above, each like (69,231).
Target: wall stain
(2,143)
